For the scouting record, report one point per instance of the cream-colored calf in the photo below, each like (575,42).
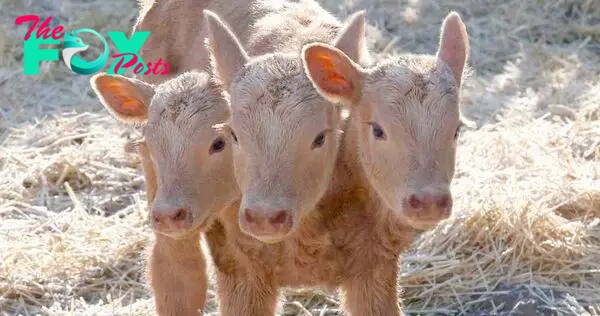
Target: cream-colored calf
(188,171)
(406,119)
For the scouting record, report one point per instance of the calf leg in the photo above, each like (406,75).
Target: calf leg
(176,267)
(246,296)
(178,277)
(373,293)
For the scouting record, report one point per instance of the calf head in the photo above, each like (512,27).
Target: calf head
(192,159)
(406,117)
(286,135)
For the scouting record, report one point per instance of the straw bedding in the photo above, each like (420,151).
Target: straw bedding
(525,236)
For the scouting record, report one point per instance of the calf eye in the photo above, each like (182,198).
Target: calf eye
(234,136)
(217,146)
(319,140)
(377,131)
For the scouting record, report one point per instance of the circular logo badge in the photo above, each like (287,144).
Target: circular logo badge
(73,45)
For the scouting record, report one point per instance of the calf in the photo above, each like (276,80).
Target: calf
(406,120)
(188,171)
(177,38)
(294,226)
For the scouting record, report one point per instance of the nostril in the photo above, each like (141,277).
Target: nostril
(248,216)
(445,201)
(180,215)
(414,201)
(279,218)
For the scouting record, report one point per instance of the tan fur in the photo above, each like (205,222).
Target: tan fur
(177,37)
(176,268)
(178,30)
(342,235)
(276,108)
(177,273)
(183,47)
(348,218)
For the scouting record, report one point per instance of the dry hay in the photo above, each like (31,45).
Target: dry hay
(526,234)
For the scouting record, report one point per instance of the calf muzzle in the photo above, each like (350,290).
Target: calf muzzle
(266,225)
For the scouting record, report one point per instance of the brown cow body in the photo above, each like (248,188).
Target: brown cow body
(178,31)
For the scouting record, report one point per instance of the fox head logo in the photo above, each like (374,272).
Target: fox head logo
(73,45)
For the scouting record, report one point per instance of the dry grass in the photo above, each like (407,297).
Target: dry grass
(525,236)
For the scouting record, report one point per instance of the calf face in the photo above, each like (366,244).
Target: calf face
(191,157)
(286,135)
(406,114)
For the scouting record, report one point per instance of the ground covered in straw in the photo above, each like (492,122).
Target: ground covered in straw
(525,238)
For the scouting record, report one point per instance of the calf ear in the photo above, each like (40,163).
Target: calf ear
(352,38)
(227,54)
(126,99)
(454,45)
(335,76)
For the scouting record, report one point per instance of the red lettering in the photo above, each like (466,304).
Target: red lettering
(149,70)
(27,18)
(138,68)
(55,32)
(44,29)
(130,63)
(167,69)
(155,69)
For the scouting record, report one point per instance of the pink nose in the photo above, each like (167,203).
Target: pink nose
(278,217)
(174,218)
(435,205)
(262,222)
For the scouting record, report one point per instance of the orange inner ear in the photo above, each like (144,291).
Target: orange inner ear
(130,105)
(127,99)
(330,75)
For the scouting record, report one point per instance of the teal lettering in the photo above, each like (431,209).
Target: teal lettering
(32,54)
(125,46)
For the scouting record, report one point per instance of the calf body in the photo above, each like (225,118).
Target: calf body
(176,268)
(183,158)
(347,232)
(341,234)
(350,241)
(178,32)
